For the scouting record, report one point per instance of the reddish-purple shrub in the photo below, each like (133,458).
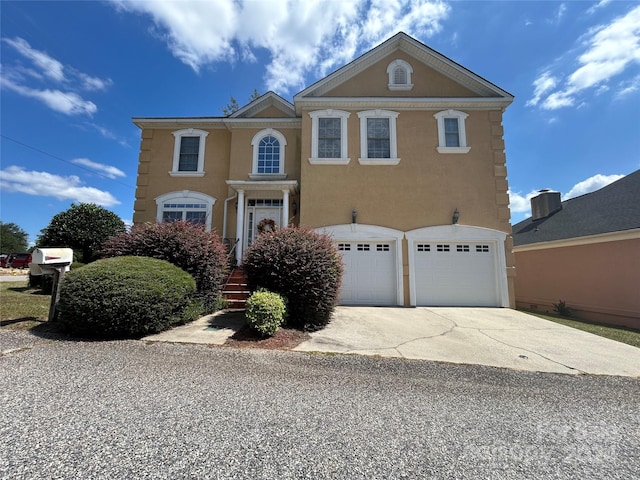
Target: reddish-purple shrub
(301,265)
(183,244)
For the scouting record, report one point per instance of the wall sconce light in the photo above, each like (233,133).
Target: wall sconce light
(294,208)
(456,216)
(354,216)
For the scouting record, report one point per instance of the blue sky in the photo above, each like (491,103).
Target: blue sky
(74,73)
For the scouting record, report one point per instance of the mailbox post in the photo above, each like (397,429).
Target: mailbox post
(54,261)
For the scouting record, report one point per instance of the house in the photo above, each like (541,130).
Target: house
(398,155)
(584,251)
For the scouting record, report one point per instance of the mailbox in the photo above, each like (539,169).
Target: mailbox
(49,260)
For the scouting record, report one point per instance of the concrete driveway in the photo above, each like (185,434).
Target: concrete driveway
(496,337)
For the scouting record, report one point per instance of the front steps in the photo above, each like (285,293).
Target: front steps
(235,291)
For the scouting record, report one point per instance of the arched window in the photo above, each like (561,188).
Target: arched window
(399,73)
(268,153)
(185,205)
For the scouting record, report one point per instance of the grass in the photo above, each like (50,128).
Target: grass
(619,334)
(21,306)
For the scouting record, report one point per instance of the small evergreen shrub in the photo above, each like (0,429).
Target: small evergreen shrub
(126,297)
(183,244)
(561,309)
(265,312)
(301,265)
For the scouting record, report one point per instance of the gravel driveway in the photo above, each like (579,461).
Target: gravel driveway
(130,409)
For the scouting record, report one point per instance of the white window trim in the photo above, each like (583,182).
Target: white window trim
(330,113)
(188,132)
(442,142)
(187,195)
(390,71)
(255,142)
(393,142)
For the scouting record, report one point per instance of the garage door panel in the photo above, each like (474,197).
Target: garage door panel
(455,274)
(370,273)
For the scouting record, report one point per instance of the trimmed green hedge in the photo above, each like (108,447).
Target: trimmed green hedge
(301,265)
(265,312)
(126,297)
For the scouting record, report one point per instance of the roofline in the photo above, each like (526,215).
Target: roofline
(407,102)
(219,122)
(262,98)
(619,235)
(396,39)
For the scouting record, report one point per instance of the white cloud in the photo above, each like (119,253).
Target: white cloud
(44,184)
(300,36)
(62,98)
(106,170)
(51,67)
(598,6)
(68,103)
(607,51)
(591,184)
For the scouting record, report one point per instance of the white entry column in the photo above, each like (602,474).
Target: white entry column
(285,209)
(240,227)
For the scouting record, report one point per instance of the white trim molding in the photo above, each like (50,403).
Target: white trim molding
(315,159)
(188,132)
(462,132)
(393,140)
(186,196)
(403,66)
(255,142)
(619,236)
(462,233)
(371,233)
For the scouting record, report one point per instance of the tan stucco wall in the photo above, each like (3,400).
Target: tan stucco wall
(599,281)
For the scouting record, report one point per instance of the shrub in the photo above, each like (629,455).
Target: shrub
(265,312)
(301,265)
(45,282)
(183,244)
(561,309)
(126,297)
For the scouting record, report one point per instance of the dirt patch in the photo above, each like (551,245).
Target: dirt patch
(284,339)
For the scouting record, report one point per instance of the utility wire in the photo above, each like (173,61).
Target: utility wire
(35,149)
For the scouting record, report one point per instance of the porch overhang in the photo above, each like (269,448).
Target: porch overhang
(290,186)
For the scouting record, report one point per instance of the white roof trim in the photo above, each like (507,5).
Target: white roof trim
(263,102)
(418,50)
(586,240)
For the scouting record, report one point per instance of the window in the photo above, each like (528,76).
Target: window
(399,73)
(189,206)
(452,136)
(268,154)
(329,137)
(188,152)
(378,144)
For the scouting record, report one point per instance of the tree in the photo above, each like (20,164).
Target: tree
(84,227)
(233,106)
(12,238)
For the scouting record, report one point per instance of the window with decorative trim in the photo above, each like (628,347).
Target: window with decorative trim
(188,153)
(268,155)
(185,205)
(452,136)
(378,142)
(329,137)
(399,73)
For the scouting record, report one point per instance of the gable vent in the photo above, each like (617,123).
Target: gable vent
(545,204)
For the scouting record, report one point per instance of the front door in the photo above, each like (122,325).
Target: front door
(258,210)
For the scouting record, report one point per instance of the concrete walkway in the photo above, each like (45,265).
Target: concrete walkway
(496,337)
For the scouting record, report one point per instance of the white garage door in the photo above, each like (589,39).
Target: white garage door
(456,274)
(369,273)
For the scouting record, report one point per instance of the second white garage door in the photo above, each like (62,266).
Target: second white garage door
(370,273)
(455,274)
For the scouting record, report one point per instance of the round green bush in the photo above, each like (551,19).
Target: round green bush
(265,312)
(183,244)
(301,265)
(126,297)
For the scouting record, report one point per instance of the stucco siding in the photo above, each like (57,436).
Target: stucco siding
(598,281)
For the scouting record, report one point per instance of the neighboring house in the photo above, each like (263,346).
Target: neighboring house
(399,155)
(584,251)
